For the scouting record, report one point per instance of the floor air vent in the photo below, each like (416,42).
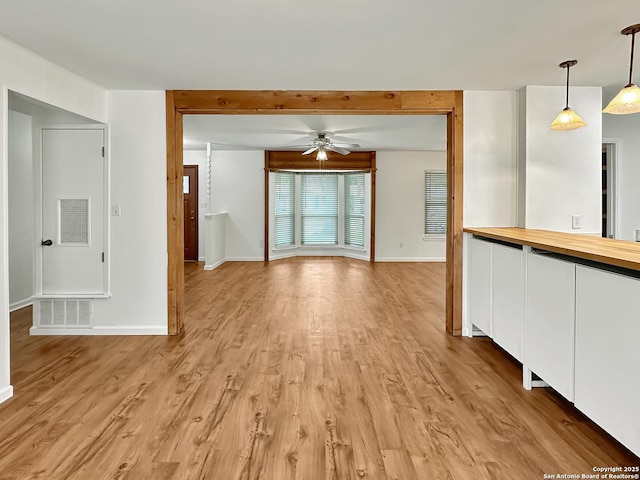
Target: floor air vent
(65,313)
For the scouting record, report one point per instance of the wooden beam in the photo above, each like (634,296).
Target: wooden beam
(454,217)
(372,244)
(175,220)
(292,160)
(441,102)
(266,206)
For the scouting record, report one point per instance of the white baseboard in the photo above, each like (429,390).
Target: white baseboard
(245,259)
(356,256)
(101,330)
(411,259)
(215,265)
(6,393)
(21,304)
(202,259)
(283,255)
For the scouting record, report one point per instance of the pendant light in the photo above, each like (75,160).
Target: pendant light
(567,119)
(628,100)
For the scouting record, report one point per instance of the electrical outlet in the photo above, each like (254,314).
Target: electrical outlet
(401,245)
(576,222)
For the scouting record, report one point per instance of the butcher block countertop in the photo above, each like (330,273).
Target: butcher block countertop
(603,250)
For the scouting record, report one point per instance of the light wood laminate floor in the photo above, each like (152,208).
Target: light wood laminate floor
(306,368)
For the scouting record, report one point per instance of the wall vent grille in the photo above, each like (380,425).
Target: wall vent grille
(64,313)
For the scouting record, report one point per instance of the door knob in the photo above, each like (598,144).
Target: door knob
(46,243)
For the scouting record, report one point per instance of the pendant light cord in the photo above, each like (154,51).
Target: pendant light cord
(633,41)
(567,101)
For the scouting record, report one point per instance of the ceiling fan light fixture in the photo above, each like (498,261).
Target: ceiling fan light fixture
(567,119)
(628,99)
(322,154)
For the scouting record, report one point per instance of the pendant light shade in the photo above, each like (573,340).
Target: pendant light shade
(628,100)
(567,119)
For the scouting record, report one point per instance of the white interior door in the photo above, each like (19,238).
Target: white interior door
(72,211)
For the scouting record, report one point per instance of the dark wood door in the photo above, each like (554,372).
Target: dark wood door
(190,191)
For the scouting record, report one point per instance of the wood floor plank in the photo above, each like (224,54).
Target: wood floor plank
(306,368)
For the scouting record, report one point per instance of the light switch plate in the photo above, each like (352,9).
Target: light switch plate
(115,210)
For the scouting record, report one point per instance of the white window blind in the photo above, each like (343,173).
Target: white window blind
(354,209)
(435,203)
(284,209)
(319,209)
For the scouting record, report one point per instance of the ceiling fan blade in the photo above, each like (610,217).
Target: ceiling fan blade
(346,145)
(311,150)
(339,150)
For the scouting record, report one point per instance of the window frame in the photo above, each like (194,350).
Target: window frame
(442,203)
(320,249)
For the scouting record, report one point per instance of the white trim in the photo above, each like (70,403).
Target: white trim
(202,259)
(616,155)
(434,237)
(244,259)
(289,253)
(6,393)
(101,330)
(467,329)
(209,216)
(72,296)
(20,304)
(356,255)
(215,265)
(411,259)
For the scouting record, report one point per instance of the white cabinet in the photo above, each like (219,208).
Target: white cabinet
(549,328)
(479,284)
(495,292)
(607,356)
(507,298)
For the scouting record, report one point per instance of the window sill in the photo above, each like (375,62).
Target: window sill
(434,238)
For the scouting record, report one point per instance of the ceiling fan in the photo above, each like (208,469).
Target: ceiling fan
(322,144)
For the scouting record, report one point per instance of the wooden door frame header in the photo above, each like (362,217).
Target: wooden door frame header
(279,102)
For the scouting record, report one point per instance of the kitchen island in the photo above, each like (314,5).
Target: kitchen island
(567,307)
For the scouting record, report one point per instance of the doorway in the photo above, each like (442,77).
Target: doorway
(190,201)
(609,204)
(184,102)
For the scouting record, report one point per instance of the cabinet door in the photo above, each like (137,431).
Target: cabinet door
(507,298)
(607,353)
(549,330)
(479,284)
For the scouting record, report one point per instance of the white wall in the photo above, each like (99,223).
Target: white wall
(238,189)
(21,210)
(400,206)
(23,71)
(139,236)
(199,158)
(563,169)
(625,131)
(489,159)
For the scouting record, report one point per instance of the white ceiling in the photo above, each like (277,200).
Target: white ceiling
(333,45)
(278,132)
